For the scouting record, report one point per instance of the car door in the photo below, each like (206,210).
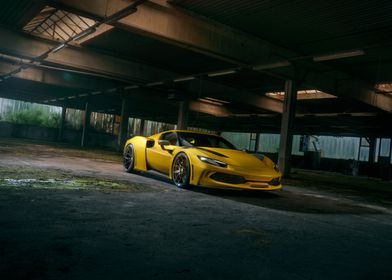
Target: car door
(158,158)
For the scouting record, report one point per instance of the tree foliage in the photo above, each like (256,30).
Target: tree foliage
(34,117)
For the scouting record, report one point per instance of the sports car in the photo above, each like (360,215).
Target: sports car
(202,159)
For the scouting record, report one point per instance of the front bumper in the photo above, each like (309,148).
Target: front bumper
(240,179)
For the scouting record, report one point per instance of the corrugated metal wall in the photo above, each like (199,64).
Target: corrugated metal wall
(330,147)
(8,106)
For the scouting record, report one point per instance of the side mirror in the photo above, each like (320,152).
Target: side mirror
(165,145)
(150,143)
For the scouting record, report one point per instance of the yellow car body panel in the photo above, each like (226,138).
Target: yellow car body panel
(243,170)
(139,145)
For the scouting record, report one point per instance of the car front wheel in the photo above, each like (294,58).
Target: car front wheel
(181,170)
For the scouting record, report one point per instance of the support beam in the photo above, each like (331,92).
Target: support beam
(183,114)
(99,31)
(227,93)
(23,45)
(86,124)
(141,127)
(286,131)
(123,133)
(160,20)
(58,77)
(257,142)
(210,109)
(372,149)
(62,123)
(344,85)
(77,58)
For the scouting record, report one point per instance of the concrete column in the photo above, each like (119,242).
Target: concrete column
(183,113)
(62,124)
(86,124)
(257,142)
(286,129)
(390,150)
(372,149)
(141,127)
(123,133)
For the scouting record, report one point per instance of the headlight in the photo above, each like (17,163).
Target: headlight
(212,161)
(274,182)
(276,168)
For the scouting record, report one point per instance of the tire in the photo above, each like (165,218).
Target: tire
(129,158)
(180,171)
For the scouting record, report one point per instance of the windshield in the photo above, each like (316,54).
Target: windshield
(189,139)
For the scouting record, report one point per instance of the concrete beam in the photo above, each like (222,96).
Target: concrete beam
(366,94)
(215,90)
(98,32)
(26,46)
(58,78)
(162,21)
(22,45)
(343,85)
(165,22)
(210,109)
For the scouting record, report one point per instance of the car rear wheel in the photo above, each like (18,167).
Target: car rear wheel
(129,158)
(181,170)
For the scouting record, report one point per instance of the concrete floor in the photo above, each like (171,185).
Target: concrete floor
(48,231)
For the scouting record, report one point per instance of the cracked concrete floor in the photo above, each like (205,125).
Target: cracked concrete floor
(144,228)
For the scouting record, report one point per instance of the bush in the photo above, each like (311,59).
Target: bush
(34,117)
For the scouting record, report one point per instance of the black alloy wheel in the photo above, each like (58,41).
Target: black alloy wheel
(129,158)
(181,170)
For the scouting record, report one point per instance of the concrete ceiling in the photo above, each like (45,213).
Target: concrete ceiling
(235,51)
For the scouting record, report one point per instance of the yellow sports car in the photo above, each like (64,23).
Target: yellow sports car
(194,158)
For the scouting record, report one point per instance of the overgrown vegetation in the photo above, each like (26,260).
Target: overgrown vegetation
(34,116)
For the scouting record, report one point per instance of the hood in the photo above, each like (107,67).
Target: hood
(233,157)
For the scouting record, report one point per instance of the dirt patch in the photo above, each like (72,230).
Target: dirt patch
(31,149)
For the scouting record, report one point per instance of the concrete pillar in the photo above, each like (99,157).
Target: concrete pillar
(123,133)
(141,127)
(86,124)
(62,124)
(286,129)
(183,113)
(372,149)
(257,142)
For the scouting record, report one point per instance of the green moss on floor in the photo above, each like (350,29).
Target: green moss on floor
(29,177)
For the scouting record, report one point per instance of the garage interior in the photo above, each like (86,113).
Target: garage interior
(282,67)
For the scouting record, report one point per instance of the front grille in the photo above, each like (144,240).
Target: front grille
(274,182)
(228,178)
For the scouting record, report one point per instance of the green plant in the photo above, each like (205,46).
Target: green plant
(34,117)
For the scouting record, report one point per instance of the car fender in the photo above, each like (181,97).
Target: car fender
(176,152)
(139,146)
(195,165)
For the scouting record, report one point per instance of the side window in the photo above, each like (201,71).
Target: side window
(171,137)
